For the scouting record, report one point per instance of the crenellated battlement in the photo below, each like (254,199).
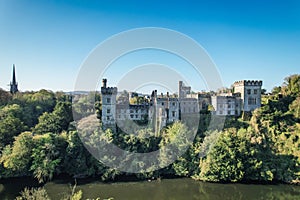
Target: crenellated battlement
(168,108)
(109,90)
(248,83)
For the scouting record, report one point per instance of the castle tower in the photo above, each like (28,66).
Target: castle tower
(183,90)
(109,99)
(13,83)
(250,91)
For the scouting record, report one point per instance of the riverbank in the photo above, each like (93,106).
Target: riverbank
(177,189)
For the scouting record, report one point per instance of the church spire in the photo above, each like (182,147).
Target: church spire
(14,84)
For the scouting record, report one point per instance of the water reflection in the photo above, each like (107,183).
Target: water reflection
(172,189)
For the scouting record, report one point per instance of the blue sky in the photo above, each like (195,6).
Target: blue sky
(49,40)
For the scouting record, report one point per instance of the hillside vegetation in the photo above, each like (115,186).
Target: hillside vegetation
(38,138)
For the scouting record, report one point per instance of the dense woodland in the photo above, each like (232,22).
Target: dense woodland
(38,138)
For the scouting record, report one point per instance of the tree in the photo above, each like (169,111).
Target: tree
(295,108)
(5,97)
(56,121)
(11,123)
(18,157)
(78,162)
(223,162)
(33,194)
(34,104)
(276,90)
(45,157)
(291,85)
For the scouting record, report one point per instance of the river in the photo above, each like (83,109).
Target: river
(173,189)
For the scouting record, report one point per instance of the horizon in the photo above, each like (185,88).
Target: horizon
(49,41)
(158,88)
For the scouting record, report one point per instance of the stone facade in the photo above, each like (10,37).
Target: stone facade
(164,109)
(132,112)
(227,104)
(109,99)
(183,90)
(250,91)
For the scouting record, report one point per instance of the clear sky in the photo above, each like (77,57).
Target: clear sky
(49,40)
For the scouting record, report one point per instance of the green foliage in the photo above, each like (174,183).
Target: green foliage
(245,156)
(10,125)
(292,85)
(41,194)
(33,194)
(137,100)
(85,105)
(263,146)
(56,121)
(18,157)
(78,162)
(5,97)
(295,108)
(45,157)
(175,139)
(222,162)
(34,104)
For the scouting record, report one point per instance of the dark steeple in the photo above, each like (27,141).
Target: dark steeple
(14,84)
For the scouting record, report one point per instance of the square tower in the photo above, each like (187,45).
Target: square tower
(250,91)
(183,90)
(108,99)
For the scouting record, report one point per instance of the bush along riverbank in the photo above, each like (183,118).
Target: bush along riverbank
(38,138)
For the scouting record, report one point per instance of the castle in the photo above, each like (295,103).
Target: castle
(245,97)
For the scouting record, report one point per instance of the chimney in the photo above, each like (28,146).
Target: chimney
(104,82)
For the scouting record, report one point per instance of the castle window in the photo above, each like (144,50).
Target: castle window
(108,100)
(173,113)
(251,101)
(228,112)
(173,103)
(255,91)
(162,103)
(136,116)
(248,91)
(131,116)
(108,111)
(203,105)
(131,111)
(136,111)
(107,117)
(229,106)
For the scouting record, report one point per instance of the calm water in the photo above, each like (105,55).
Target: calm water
(173,189)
